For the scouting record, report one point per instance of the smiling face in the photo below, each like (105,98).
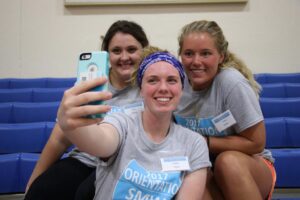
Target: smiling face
(124,52)
(200,59)
(161,88)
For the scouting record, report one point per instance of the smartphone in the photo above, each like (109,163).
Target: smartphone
(90,66)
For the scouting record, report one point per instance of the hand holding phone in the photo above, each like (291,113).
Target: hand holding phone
(90,66)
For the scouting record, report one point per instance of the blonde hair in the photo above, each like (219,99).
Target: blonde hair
(146,52)
(230,60)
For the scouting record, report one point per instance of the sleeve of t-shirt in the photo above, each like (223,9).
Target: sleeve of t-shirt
(244,106)
(199,156)
(119,122)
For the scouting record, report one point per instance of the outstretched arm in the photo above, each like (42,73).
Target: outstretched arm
(98,140)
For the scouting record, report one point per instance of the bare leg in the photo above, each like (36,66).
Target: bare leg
(240,176)
(212,191)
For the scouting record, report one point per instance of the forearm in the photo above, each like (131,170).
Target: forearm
(251,141)
(98,140)
(234,143)
(55,147)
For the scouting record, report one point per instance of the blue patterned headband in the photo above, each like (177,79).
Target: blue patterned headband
(157,57)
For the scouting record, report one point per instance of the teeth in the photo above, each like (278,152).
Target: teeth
(163,99)
(198,70)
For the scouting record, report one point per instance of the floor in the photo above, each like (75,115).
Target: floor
(282,194)
(12,197)
(279,194)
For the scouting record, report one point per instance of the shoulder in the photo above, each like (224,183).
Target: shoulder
(229,80)
(229,76)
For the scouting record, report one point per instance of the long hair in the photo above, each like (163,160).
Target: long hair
(230,60)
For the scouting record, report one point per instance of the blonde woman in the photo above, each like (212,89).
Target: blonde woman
(220,101)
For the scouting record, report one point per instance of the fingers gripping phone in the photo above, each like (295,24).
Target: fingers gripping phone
(90,66)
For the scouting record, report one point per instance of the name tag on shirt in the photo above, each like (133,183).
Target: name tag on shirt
(180,163)
(134,107)
(223,121)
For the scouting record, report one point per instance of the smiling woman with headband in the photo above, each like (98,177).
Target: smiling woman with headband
(157,57)
(144,157)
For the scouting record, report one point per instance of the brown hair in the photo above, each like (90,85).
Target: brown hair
(128,27)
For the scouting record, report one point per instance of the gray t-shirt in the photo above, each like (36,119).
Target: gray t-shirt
(127,100)
(135,170)
(230,91)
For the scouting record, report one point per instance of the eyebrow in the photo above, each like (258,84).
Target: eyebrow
(169,76)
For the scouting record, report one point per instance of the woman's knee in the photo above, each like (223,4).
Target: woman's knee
(229,164)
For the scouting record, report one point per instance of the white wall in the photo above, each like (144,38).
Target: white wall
(42,38)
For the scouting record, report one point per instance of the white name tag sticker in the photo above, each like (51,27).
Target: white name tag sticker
(135,107)
(180,163)
(223,121)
